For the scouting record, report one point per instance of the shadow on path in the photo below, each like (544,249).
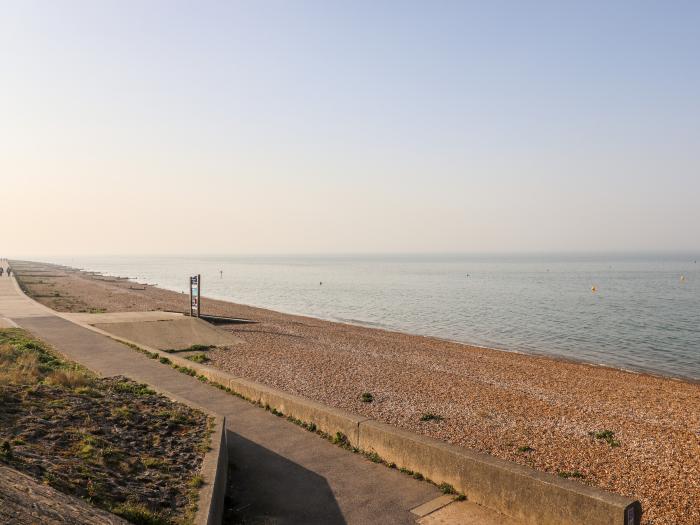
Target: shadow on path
(265,487)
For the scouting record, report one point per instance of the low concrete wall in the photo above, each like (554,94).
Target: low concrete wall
(523,493)
(326,419)
(214,472)
(515,490)
(512,489)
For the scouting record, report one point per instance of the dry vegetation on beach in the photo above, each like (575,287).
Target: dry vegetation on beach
(109,441)
(633,434)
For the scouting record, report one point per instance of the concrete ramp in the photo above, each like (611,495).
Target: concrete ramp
(164,331)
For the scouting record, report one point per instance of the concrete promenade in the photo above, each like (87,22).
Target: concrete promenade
(281,473)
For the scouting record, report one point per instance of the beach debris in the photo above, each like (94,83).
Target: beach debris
(431,417)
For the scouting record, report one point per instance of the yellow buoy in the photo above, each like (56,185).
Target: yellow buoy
(593,289)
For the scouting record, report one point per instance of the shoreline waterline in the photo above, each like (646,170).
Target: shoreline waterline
(389,329)
(641,318)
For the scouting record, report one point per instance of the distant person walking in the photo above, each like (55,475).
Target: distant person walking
(1,270)
(9,271)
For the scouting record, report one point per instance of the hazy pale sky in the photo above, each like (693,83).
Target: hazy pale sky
(326,127)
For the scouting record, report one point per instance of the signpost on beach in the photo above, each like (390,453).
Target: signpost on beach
(195,294)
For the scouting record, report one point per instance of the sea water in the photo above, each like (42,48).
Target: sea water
(639,312)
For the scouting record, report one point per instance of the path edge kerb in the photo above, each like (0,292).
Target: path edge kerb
(212,494)
(214,470)
(534,497)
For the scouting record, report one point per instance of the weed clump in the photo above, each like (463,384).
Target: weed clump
(367,397)
(606,435)
(446,488)
(374,457)
(68,379)
(340,439)
(6,450)
(431,417)
(139,514)
(196,482)
(130,387)
(198,358)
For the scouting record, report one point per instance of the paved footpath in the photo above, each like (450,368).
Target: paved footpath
(282,473)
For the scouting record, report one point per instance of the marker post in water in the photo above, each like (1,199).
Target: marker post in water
(195,295)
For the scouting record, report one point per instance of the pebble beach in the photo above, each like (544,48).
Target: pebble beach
(631,433)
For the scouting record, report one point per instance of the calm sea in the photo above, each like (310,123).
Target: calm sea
(644,314)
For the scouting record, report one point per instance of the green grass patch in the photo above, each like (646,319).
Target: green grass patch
(185,370)
(27,361)
(446,488)
(130,387)
(606,435)
(198,358)
(154,463)
(140,514)
(196,482)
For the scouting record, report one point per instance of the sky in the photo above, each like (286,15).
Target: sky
(266,127)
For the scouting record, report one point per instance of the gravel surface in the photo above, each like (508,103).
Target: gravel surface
(634,434)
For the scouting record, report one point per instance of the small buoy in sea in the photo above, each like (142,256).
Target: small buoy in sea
(594,289)
(682,277)
(320,283)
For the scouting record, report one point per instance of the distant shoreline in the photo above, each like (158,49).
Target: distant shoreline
(640,370)
(536,410)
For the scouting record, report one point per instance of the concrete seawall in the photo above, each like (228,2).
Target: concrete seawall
(514,490)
